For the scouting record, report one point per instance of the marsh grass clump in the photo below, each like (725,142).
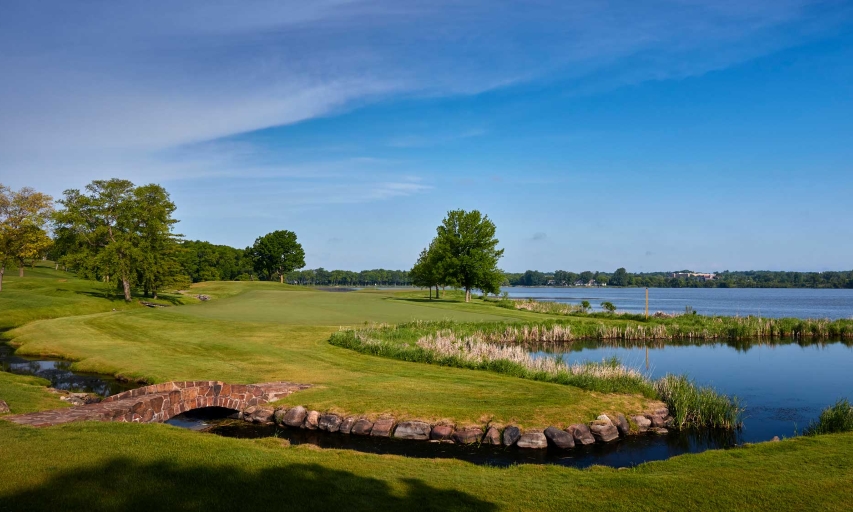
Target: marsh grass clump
(693,405)
(444,348)
(834,419)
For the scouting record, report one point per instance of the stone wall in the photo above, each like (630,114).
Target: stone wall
(604,429)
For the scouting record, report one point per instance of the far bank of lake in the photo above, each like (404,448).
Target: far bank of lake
(765,302)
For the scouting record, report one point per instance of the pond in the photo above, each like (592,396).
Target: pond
(783,385)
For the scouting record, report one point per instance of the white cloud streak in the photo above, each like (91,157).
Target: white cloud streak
(111,86)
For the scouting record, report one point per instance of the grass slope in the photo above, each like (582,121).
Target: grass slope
(47,293)
(25,393)
(145,467)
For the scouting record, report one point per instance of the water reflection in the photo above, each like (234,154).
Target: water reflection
(783,383)
(60,375)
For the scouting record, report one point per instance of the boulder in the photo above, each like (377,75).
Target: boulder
(657,421)
(621,424)
(468,435)
(643,423)
(660,431)
(295,417)
(4,407)
(441,432)
(604,419)
(533,440)
(312,420)
(602,432)
(417,430)
(329,422)
(362,427)
(511,435)
(382,427)
(581,434)
(493,437)
(278,416)
(559,438)
(347,424)
(255,414)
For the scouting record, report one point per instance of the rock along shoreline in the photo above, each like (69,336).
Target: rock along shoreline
(607,428)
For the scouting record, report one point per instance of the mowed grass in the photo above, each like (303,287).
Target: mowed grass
(189,343)
(103,466)
(47,293)
(25,393)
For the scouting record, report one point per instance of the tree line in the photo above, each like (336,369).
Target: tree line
(725,279)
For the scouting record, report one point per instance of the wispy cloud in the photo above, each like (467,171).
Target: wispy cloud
(115,84)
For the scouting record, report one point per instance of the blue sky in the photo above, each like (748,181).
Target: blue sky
(656,135)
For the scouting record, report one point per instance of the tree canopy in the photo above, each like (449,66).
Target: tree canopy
(466,252)
(24,215)
(117,230)
(277,253)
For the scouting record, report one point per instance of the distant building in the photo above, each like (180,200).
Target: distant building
(697,275)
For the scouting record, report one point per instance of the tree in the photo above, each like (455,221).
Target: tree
(427,271)
(23,217)
(619,278)
(586,276)
(117,230)
(585,305)
(608,306)
(277,253)
(467,249)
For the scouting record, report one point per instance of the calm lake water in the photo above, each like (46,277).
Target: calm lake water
(767,302)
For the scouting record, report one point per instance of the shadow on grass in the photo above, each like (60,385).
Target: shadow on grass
(174,300)
(125,484)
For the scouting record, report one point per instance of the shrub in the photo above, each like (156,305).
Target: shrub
(699,406)
(834,419)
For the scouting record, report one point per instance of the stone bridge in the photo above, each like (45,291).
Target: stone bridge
(159,402)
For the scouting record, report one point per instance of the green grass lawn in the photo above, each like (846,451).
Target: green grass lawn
(47,293)
(103,466)
(261,334)
(25,393)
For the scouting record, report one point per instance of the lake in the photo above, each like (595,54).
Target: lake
(766,302)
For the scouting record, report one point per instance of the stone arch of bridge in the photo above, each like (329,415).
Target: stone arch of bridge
(160,402)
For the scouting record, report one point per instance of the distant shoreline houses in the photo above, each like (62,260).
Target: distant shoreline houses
(697,275)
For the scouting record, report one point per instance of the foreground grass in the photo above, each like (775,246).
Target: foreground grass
(140,467)
(214,340)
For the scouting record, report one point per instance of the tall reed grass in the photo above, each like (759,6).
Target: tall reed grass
(693,405)
(834,419)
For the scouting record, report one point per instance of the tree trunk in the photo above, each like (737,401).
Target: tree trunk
(21,270)
(281,278)
(437,295)
(155,294)
(467,294)
(430,293)
(125,283)
(2,271)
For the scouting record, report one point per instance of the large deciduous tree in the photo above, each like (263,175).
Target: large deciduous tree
(116,230)
(23,217)
(467,248)
(276,254)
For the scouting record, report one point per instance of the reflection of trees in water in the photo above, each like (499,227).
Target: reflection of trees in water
(741,345)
